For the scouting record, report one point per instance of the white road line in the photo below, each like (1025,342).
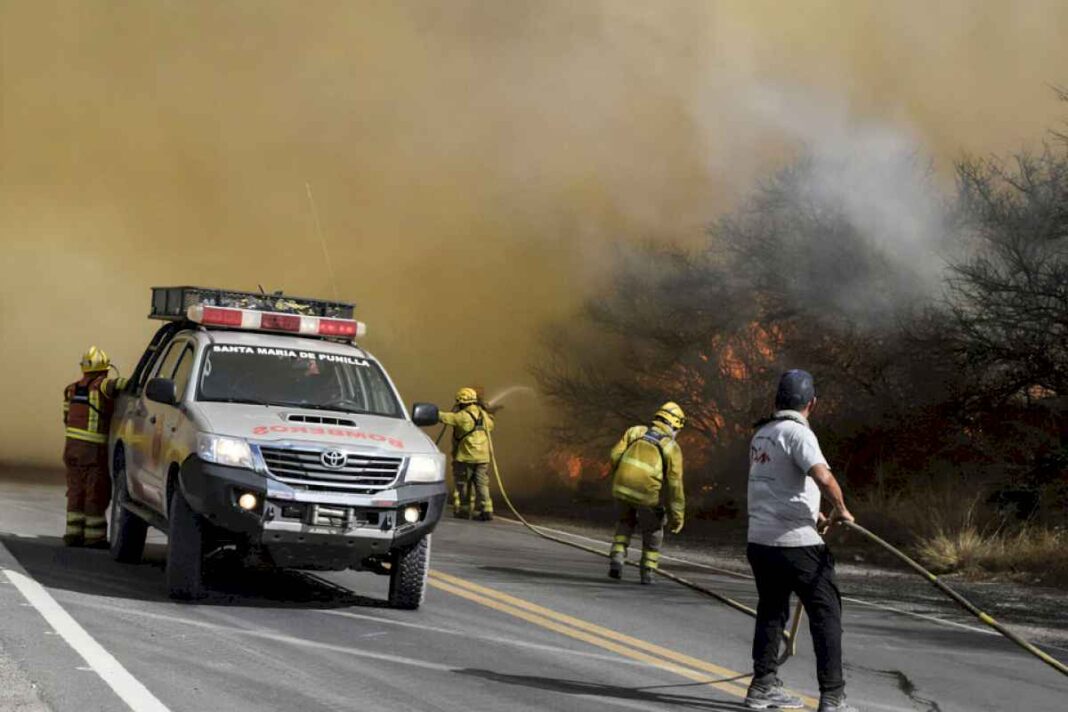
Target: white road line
(921,616)
(125,685)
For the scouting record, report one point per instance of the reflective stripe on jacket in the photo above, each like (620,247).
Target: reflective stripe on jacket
(644,468)
(470,442)
(87,407)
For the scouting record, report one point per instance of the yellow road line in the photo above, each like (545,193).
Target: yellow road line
(600,636)
(591,639)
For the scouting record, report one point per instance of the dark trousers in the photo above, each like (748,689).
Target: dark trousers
(807,571)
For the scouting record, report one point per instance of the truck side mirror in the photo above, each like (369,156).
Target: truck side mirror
(424,414)
(162,390)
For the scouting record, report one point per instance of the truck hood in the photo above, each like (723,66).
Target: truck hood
(271,424)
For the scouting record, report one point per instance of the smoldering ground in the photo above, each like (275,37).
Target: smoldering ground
(471,161)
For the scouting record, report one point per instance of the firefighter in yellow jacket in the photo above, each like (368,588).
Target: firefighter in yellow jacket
(471,424)
(87,407)
(647,486)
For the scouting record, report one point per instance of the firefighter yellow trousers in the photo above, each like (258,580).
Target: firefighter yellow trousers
(650,521)
(472,486)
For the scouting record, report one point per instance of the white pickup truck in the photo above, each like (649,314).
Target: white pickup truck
(254,421)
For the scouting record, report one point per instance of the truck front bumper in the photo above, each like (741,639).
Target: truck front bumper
(306,529)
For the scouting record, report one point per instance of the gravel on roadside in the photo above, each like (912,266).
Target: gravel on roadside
(17,692)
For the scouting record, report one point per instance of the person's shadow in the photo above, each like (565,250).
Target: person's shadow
(658,694)
(228,582)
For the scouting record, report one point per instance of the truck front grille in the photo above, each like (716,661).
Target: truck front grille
(304,468)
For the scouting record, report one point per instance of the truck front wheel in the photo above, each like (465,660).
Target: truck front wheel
(127,529)
(185,550)
(407,575)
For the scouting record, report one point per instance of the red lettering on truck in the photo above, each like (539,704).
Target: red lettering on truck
(329,432)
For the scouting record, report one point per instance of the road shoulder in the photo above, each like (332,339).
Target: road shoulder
(17,692)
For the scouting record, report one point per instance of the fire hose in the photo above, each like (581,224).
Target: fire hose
(791,636)
(961,600)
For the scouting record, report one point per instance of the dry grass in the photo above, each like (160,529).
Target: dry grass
(922,512)
(1030,552)
(954,533)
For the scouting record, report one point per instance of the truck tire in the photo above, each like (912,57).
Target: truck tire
(407,576)
(127,529)
(185,550)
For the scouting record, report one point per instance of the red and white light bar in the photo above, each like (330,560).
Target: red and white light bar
(254,320)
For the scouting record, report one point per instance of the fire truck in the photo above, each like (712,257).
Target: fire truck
(254,422)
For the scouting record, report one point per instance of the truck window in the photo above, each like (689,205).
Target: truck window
(169,360)
(183,371)
(300,379)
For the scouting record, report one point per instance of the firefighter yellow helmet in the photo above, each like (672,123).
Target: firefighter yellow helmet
(466,396)
(671,414)
(95,360)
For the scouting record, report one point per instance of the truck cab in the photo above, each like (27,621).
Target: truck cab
(255,422)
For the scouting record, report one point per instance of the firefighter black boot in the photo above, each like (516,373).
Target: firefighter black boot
(615,568)
(647,576)
(73,540)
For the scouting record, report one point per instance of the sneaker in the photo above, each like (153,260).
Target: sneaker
(647,576)
(772,697)
(835,703)
(615,569)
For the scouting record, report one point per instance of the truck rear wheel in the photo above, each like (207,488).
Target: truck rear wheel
(407,576)
(127,529)
(185,550)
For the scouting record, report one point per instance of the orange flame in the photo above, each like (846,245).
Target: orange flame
(573,465)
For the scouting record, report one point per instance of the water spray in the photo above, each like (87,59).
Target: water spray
(509,391)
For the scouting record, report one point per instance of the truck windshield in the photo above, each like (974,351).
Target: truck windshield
(303,379)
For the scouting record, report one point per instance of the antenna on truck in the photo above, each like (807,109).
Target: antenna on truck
(322,238)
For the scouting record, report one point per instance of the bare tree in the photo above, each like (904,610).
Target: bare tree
(1011,297)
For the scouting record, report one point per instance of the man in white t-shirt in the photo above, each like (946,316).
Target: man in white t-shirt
(787,473)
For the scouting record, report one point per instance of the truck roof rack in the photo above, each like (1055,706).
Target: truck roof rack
(173,303)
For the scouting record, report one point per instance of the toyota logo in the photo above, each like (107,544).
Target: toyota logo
(334,459)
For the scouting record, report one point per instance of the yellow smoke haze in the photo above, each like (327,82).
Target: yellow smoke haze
(472,162)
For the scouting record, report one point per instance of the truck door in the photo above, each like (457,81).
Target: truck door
(163,421)
(143,446)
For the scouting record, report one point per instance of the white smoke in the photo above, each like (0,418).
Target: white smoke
(873,176)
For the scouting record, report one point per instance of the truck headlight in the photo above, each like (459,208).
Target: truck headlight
(425,468)
(232,452)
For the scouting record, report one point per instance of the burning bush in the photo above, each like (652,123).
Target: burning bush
(938,335)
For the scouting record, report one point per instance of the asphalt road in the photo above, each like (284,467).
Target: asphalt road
(511,622)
